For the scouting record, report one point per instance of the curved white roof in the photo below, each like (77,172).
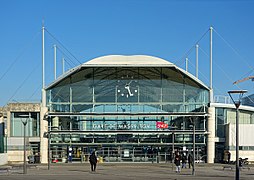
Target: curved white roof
(128,60)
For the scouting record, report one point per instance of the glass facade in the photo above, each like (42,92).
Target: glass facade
(115,109)
(119,89)
(225,116)
(32,126)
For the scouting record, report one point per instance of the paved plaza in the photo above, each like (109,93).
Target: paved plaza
(122,171)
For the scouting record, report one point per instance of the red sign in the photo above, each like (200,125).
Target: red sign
(161,125)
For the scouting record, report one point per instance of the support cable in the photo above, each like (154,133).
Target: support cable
(235,51)
(201,74)
(67,56)
(19,56)
(68,63)
(62,45)
(35,91)
(227,76)
(193,47)
(22,84)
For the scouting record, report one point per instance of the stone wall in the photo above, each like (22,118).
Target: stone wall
(3,159)
(27,107)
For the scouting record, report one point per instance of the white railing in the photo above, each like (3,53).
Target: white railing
(222,99)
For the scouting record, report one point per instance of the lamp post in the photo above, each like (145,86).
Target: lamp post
(173,148)
(173,127)
(24,118)
(48,149)
(237,102)
(194,148)
(192,120)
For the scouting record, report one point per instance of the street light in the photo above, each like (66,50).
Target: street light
(173,127)
(173,148)
(194,147)
(194,144)
(237,105)
(24,118)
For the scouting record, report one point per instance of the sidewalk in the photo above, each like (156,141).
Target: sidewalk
(124,171)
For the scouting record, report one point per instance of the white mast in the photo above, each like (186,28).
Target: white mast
(55,61)
(211,64)
(43,98)
(186,64)
(63,65)
(196,60)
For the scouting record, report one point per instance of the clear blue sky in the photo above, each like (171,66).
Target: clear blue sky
(89,29)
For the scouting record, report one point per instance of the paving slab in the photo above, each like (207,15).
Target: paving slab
(124,171)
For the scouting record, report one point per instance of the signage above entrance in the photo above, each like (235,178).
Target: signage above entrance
(122,126)
(161,125)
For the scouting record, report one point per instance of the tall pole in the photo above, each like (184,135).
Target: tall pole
(194,147)
(211,64)
(43,93)
(237,105)
(55,61)
(24,165)
(196,60)
(173,149)
(63,65)
(43,58)
(186,64)
(49,154)
(48,149)
(237,175)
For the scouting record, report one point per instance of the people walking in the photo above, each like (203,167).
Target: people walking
(70,154)
(240,162)
(229,156)
(178,162)
(93,161)
(184,160)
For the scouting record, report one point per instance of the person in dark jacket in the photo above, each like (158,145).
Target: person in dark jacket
(190,160)
(229,156)
(178,162)
(184,160)
(93,161)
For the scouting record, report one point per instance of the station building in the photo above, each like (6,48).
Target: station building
(127,109)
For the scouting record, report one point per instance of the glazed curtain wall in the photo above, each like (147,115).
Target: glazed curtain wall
(32,126)
(119,89)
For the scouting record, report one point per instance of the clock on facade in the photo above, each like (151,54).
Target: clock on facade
(127,87)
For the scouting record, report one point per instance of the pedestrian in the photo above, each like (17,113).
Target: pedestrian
(240,162)
(93,161)
(229,156)
(70,154)
(178,162)
(190,160)
(184,159)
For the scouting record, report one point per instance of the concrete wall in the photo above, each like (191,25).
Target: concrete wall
(245,135)
(245,139)
(15,144)
(3,158)
(16,156)
(44,140)
(23,107)
(243,154)
(211,135)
